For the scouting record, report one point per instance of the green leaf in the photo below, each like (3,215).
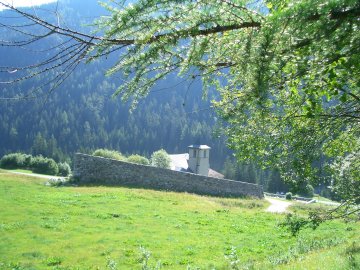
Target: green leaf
(269,5)
(343,98)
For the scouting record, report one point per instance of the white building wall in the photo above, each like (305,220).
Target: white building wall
(199,159)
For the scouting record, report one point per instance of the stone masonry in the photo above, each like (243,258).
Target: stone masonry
(98,170)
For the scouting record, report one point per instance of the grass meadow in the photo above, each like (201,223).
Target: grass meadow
(43,227)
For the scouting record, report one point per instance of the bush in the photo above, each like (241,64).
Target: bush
(307,191)
(15,161)
(38,164)
(56,182)
(44,165)
(64,169)
(161,159)
(138,160)
(109,154)
(294,223)
(28,161)
(288,196)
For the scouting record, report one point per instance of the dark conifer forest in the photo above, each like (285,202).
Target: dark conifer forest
(82,114)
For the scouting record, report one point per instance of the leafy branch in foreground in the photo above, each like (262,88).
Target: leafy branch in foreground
(288,73)
(295,223)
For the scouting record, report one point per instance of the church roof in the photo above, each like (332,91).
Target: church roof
(179,161)
(199,146)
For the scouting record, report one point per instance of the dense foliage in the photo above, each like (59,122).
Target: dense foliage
(15,160)
(38,164)
(64,169)
(109,154)
(81,115)
(271,180)
(288,74)
(138,160)
(160,159)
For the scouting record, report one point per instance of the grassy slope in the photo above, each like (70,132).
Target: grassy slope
(82,227)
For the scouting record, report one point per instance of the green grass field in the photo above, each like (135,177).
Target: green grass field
(44,227)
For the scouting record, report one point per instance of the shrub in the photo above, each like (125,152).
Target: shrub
(28,161)
(109,154)
(138,159)
(15,161)
(44,165)
(56,182)
(288,196)
(294,223)
(307,191)
(160,159)
(64,169)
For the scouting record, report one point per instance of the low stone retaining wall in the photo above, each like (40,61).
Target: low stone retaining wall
(91,169)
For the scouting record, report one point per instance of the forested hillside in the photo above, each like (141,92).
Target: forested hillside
(81,114)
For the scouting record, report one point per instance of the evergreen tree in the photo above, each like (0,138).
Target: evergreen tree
(39,146)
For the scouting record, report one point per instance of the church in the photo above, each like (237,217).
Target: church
(195,161)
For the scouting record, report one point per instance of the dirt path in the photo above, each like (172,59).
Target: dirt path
(37,175)
(277,206)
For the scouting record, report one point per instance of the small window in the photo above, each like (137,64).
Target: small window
(194,153)
(204,153)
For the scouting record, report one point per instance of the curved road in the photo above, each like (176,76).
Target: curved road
(277,206)
(37,175)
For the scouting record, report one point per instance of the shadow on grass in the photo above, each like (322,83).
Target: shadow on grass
(73,182)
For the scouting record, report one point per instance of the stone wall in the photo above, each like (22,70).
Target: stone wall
(90,169)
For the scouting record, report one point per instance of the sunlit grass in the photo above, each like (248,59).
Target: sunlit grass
(21,170)
(83,227)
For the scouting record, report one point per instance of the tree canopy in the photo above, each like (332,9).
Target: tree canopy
(161,159)
(288,73)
